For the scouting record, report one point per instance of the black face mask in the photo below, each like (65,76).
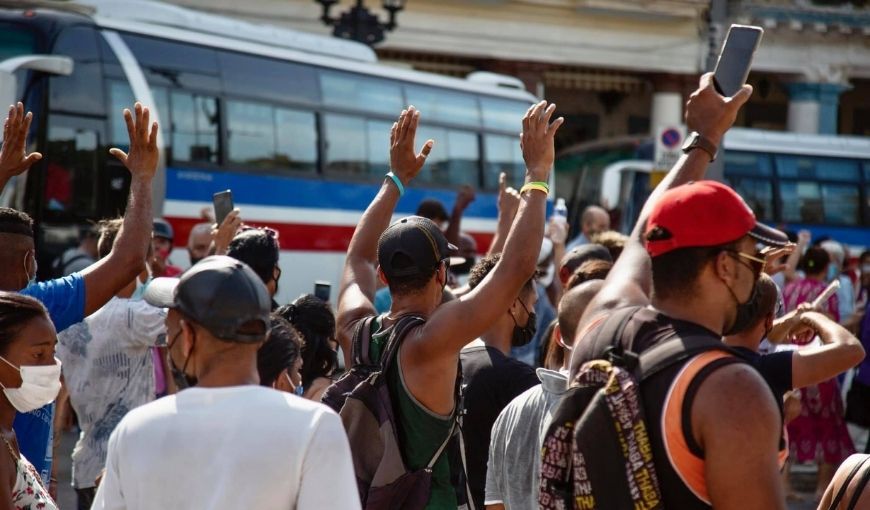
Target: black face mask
(194,260)
(746,312)
(182,380)
(522,335)
(465,267)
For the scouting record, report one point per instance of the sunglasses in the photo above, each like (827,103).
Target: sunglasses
(756,264)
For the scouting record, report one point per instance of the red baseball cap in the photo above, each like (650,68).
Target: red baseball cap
(703,213)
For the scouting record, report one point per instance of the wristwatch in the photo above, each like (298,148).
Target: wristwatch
(696,140)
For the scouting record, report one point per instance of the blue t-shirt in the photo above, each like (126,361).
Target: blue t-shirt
(64,298)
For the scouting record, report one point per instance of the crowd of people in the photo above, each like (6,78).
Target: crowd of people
(445,377)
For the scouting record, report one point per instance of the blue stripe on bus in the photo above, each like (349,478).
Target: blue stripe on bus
(271,190)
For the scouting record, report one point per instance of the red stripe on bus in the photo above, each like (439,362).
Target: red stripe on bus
(304,236)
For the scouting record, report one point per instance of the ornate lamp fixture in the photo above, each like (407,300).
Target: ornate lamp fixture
(359,24)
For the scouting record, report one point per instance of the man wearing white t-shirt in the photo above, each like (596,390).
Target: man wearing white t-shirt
(225,442)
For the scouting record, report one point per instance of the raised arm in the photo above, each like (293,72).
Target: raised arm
(463,199)
(709,114)
(106,277)
(456,323)
(359,280)
(14,159)
(508,203)
(840,352)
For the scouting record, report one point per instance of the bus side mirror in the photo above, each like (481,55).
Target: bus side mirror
(51,64)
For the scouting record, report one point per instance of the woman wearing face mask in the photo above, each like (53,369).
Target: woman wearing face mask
(819,433)
(30,378)
(279,360)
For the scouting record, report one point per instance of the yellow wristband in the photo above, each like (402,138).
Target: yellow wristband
(540,186)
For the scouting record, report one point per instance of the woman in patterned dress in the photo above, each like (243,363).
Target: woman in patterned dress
(819,433)
(27,376)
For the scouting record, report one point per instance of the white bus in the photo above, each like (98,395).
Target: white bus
(796,181)
(296,125)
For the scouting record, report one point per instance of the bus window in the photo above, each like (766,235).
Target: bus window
(81,91)
(378,143)
(444,105)
(841,203)
(120,97)
(358,92)
(296,138)
(503,114)
(346,145)
(455,159)
(250,134)
(165,54)
(194,130)
(802,202)
(15,41)
(758,194)
(747,163)
(272,78)
(71,180)
(826,169)
(503,155)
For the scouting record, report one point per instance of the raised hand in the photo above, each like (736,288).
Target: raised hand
(773,263)
(557,231)
(224,233)
(536,140)
(143,156)
(405,162)
(711,114)
(14,159)
(464,198)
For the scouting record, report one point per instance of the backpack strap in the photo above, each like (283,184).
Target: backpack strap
(401,328)
(674,350)
(859,489)
(362,337)
(845,485)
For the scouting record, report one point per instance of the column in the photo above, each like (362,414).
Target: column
(813,107)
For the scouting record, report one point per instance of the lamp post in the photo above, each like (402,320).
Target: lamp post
(359,24)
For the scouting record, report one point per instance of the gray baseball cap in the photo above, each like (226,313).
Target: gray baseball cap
(219,293)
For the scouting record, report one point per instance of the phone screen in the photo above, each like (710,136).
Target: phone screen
(735,60)
(322,290)
(223,205)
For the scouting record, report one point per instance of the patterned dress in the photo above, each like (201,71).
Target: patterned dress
(28,492)
(819,432)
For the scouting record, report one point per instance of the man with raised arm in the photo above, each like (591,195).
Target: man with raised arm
(71,298)
(713,423)
(411,257)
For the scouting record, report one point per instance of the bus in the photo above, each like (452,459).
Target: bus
(820,183)
(296,125)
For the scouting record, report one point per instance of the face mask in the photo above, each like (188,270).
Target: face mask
(194,260)
(40,385)
(522,335)
(832,273)
(182,380)
(546,278)
(745,312)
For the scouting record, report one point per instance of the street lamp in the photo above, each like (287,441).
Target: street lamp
(359,24)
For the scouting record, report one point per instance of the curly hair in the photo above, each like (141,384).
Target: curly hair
(484,266)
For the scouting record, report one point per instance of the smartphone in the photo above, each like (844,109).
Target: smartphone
(223,205)
(824,296)
(322,290)
(735,60)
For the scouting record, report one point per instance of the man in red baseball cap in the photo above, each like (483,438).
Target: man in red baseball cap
(689,270)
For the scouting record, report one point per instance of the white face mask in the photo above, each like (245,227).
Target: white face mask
(40,385)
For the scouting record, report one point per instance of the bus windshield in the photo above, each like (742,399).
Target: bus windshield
(15,41)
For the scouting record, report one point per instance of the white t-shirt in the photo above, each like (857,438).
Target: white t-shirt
(109,370)
(229,448)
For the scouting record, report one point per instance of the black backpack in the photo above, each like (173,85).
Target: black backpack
(597,453)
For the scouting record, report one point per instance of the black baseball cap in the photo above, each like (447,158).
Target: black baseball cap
(412,245)
(162,228)
(219,293)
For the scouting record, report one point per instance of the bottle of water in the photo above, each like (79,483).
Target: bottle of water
(560,211)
